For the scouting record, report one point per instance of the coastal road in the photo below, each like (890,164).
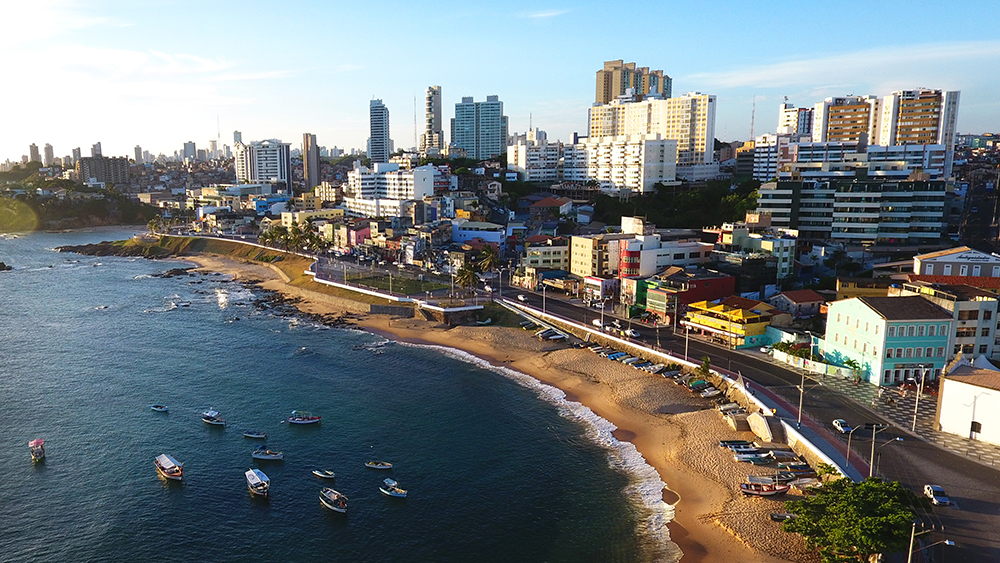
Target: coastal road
(972,522)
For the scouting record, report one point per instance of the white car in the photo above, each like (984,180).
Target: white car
(631,333)
(522,298)
(841,425)
(937,495)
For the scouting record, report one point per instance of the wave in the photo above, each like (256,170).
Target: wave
(645,488)
(169,307)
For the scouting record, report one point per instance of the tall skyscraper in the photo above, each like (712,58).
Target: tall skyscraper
(190,151)
(76,154)
(432,141)
(618,76)
(138,155)
(33,153)
(237,137)
(794,121)
(263,161)
(95,149)
(480,128)
(48,155)
(310,161)
(213,148)
(379,145)
(846,119)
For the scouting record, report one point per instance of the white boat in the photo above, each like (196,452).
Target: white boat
(333,500)
(168,467)
(763,490)
(159,408)
(37,448)
(255,434)
(378,465)
(263,452)
(324,474)
(391,488)
(212,417)
(302,417)
(257,482)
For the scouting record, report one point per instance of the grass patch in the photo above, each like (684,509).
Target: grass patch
(407,286)
(501,315)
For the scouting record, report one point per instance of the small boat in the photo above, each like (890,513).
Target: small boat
(37,448)
(302,417)
(263,452)
(391,488)
(747,456)
(159,408)
(763,489)
(257,482)
(324,474)
(333,500)
(255,434)
(212,417)
(168,467)
(378,465)
(728,443)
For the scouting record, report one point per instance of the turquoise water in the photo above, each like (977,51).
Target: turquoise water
(495,472)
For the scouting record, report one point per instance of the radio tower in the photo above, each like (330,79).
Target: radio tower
(753,113)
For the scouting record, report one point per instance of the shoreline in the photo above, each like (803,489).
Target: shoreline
(657,418)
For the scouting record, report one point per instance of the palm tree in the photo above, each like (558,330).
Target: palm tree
(466,276)
(489,259)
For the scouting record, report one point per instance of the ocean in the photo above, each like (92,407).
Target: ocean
(498,467)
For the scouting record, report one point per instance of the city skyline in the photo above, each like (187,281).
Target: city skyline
(158,76)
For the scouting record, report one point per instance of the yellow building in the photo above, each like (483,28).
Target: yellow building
(735,321)
(300,217)
(863,287)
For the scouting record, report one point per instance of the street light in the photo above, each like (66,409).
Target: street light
(802,392)
(923,373)
(849,436)
(871,464)
(913,536)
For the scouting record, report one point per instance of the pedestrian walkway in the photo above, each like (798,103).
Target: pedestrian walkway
(900,413)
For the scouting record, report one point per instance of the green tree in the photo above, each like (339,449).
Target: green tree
(849,522)
(489,259)
(466,276)
(705,369)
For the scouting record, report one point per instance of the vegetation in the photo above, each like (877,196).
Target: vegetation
(705,369)
(466,276)
(297,237)
(850,522)
(716,203)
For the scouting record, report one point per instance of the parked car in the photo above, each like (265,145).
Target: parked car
(782,516)
(841,425)
(522,298)
(631,333)
(937,495)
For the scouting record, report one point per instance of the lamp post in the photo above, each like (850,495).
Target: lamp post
(913,536)
(802,392)
(871,464)
(916,403)
(687,338)
(850,435)
(543,298)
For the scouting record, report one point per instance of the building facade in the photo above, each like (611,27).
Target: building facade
(959,261)
(379,143)
(263,161)
(618,77)
(480,128)
(110,170)
(432,140)
(310,161)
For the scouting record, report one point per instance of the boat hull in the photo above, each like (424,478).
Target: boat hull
(333,500)
(323,475)
(214,422)
(392,494)
(170,476)
(269,457)
(376,465)
(300,421)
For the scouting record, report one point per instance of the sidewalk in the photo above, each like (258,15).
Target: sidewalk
(901,413)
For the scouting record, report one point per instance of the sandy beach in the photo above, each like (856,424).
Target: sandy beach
(676,432)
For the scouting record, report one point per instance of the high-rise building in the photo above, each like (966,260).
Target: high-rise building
(432,140)
(48,155)
(138,155)
(33,153)
(379,145)
(95,149)
(480,128)
(618,77)
(190,151)
(76,154)
(237,137)
(795,121)
(846,119)
(213,148)
(310,161)
(111,170)
(263,161)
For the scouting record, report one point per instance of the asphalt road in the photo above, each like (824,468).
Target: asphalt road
(973,522)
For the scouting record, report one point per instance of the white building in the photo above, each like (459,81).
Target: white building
(535,159)
(432,139)
(632,162)
(464,231)
(379,143)
(263,161)
(645,255)
(794,121)
(382,191)
(480,128)
(969,403)
(959,261)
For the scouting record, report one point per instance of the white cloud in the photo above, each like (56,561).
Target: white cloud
(546,14)
(48,19)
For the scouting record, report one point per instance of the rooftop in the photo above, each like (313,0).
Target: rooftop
(912,307)
(979,377)
(940,253)
(981,282)
(802,296)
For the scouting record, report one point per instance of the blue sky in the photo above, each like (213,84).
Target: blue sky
(160,72)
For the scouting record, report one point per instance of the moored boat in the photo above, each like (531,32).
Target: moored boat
(763,489)
(37,448)
(333,500)
(169,467)
(213,417)
(159,408)
(391,488)
(324,474)
(263,452)
(258,482)
(302,417)
(378,465)
(258,434)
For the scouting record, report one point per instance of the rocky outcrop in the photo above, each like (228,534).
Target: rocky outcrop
(107,248)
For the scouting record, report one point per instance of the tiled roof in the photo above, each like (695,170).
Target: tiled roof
(976,376)
(803,296)
(550,202)
(982,282)
(907,308)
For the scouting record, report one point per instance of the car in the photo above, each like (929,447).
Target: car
(782,516)
(937,495)
(841,425)
(522,298)
(631,333)
(597,323)
(765,349)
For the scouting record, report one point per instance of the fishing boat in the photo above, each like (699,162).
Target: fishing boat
(302,417)
(751,456)
(258,434)
(324,474)
(257,482)
(391,488)
(212,417)
(378,465)
(333,500)
(159,408)
(168,467)
(727,443)
(37,448)
(763,489)
(263,452)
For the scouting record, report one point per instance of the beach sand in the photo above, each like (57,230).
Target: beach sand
(675,431)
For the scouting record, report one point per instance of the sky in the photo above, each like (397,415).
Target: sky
(157,73)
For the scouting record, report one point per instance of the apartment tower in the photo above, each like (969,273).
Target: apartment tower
(617,77)
(310,162)
(432,140)
(379,145)
(480,128)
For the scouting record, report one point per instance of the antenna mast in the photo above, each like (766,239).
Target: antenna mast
(753,113)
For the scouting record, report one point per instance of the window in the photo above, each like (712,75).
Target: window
(906,373)
(864,348)
(679,256)
(987,315)
(937,373)
(929,269)
(857,323)
(930,352)
(909,353)
(911,330)
(958,348)
(984,332)
(890,331)
(899,352)
(976,270)
(886,376)
(888,352)
(963,270)
(965,333)
(932,330)
(876,330)
(943,330)
(875,351)
(920,330)
(968,315)
(694,255)
(867,327)
(940,352)
(838,317)
(996,271)
(982,348)
(855,343)
(967,349)
(947,269)
(848,320)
